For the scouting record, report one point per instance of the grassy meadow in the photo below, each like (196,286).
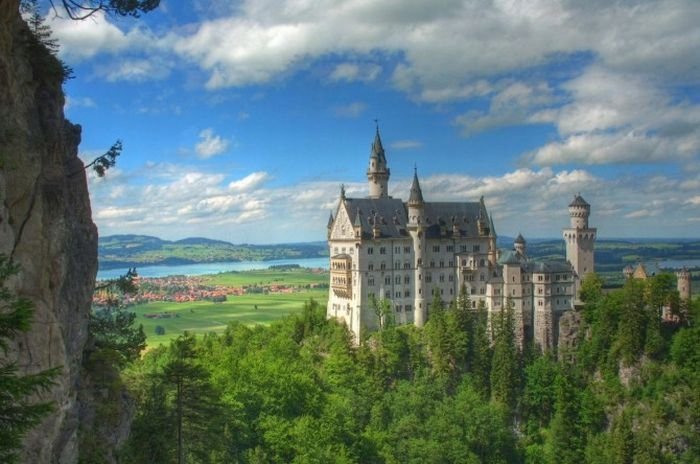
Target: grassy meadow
(255,308)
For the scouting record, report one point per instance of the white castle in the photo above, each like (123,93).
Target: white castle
(382,247)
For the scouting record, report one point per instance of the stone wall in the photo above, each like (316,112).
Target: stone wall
(46,228)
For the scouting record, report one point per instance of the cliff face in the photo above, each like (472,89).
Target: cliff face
(46,227)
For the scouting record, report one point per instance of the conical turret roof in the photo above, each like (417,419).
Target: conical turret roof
(378,148)
(579,201)
(416,196)
(519,239)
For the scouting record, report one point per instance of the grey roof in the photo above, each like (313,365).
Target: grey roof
(378,149)
(330,220)
(548,267)
(392,218)
(511,257)
(416,196)
(440,216)
(390,215)
(519,239)
(579,201)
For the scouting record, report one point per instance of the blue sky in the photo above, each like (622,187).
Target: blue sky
(240,120)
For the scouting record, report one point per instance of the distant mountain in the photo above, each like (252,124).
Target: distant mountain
(116,251)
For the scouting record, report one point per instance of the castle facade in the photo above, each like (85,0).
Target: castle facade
(384,248)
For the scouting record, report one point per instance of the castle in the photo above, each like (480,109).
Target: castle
(382,247)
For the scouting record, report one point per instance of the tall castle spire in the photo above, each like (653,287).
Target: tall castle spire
(378,172)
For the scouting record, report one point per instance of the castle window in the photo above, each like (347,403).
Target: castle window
(472,291)
(450,263)
(370,250)
(397,265)
(513,278)
(397,279)
(442,277)
(442,263)
(476,248)
(464,263)
(398,308)
(335,250)
(473,304)
(482,291)
(406,280)
(382,250)
(451,278)
(387,280)
(407,250)
(397,294)
(370,295)
(436,248)
(513,292)
(428,278)
(382,266)
(408,308)
(406,293)
(481,277)
(370,267)
(482,262)
(451,291)
(407,265)
(420,262)
(462,248)
(397,250)
(450,248)
(432,263)
(370,281)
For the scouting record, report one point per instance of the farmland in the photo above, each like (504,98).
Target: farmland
(255,297)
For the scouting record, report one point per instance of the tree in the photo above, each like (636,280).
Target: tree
(382,309)
(85,8)
(18,413)
(505,366)
(481,351)
(195,402)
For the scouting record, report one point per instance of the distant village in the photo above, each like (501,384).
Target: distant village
(182,289)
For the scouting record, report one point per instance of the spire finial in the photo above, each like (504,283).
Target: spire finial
(342,191)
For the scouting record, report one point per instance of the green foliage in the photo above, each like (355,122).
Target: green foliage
(19,412)
(83,9)
(43,47)
(505,366)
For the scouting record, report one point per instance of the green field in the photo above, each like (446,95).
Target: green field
(206,316)
(297,277)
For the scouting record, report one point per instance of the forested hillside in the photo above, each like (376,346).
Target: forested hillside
(299,391)
(137,250)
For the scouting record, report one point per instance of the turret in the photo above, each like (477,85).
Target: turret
(580,240)
(330,224)
(519,245)
(416,205)
(378,172)
(416,221)
(684,290)
(579,210)
(628,271)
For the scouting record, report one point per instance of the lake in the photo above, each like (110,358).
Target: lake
(211,268)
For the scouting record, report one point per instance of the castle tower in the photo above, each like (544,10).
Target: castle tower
(378,172)
(580,239)
(684,291)
(416,221)
(519,245)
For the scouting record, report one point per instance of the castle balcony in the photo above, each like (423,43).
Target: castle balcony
(341,275)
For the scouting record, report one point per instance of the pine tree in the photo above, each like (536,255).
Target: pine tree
(480,363)
(18,414)
(505,375)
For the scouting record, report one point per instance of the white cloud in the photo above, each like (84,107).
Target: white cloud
(351,110)
(75,102)
(350,72)
(134,70)
(210,144)
(249,182)
(406,144)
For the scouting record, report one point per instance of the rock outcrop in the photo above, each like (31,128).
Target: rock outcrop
(46,228)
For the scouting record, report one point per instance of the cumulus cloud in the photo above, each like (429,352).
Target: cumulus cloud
(406,144)
(134,70)
(175,201)
(211,144)
(351,110)
(350,72)
(84,102)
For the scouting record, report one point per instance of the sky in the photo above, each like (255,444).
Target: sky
(241,120)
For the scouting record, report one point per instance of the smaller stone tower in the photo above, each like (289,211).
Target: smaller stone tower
(415,226)
(628,271)
(519,245)
(378,172)
(684,291)
(580,239)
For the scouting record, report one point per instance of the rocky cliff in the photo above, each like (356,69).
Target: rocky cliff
(45,227)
